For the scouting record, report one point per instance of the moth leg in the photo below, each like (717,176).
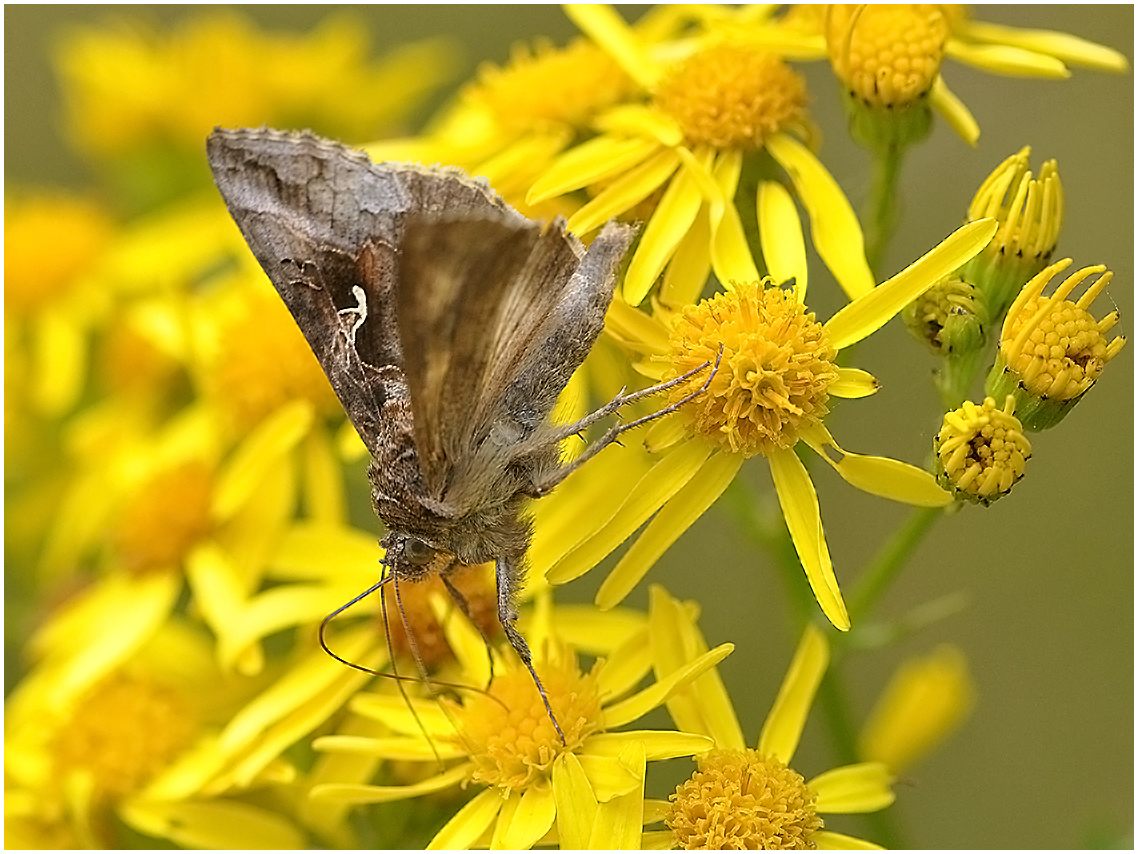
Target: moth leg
(508,570)
(464,606)
(546,484)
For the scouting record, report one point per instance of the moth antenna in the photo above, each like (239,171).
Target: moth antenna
(324,625)
(414,646)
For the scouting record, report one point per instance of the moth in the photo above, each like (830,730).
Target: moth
(448,324)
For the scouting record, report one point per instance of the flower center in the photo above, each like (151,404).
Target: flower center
(548,84)
(772,379)
(1065,352)
(742,800)
(475,583)
(264,363)
(509,735)
(124,732)
(733,97)
(164,519)
(981,450)
(887,56)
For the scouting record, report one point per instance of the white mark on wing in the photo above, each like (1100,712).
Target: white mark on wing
(359,310)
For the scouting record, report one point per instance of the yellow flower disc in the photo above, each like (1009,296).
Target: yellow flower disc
(773,377)
(981,451)
(508,733)
(125,731)
(733,97)
(887,55)
(165,518)
(742,800)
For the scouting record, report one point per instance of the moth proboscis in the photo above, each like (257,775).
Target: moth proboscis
(448,325)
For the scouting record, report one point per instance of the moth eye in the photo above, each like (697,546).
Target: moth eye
(416,552)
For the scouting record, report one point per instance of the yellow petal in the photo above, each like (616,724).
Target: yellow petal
(640,120)
(638,328)
(658,485)
(953,110)
(892,479)
(608,777)
(1006,59)
(620,821)
(687,274)
(669,223)
(827,840)
(469,823)
(215,824)
(869,313)
(358,793)
(654,695)
(799,504)
(730,255)
(596,160)
(1065,47)
(657,744)
(628,190)
(706,706)
(576,804)
(667,431)
(604,26)
(780,235)
(854,788)
(853,383)
(60,356)
(783,726)
(409,716)
(626,666)
(926,700)
(676,516)
(263,449)
(834,228)
(520,828)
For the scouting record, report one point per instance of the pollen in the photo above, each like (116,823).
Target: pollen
(508,733)
(886,56)
(265,363)
(126,730)
(547,84)
(981,451)
(165,518)
(740,800)
(773,376)
(733,97)
(1054,346)
(475,583)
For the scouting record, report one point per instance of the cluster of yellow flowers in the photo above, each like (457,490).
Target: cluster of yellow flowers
(183,493)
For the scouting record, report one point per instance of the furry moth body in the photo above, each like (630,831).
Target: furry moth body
(448,324)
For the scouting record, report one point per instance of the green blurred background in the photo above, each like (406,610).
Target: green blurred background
(1047,759)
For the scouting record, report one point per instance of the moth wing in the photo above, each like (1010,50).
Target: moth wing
(495,314)
(323,220)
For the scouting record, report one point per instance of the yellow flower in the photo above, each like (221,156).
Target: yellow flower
(889,56)
(55,297)
(1052,350)
(128,88)
(742,797)
(711,115)
(587,792)
(1030,213)
(981,451)
(87,735)
(770,390)
(926,700)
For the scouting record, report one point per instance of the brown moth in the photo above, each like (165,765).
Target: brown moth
(448,324)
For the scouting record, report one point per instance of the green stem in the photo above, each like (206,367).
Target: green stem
(883,214)
(881,572)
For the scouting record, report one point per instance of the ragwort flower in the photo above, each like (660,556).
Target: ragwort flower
(776,372)
(586,792)
(889,56)
(710,114)
(751,798)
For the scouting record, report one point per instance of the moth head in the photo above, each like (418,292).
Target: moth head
(413,559)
